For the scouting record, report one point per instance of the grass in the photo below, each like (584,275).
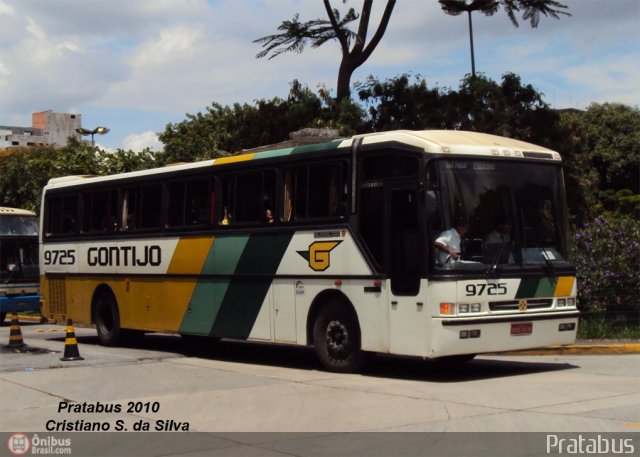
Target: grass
(597,327)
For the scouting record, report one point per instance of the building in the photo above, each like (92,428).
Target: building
(47,129)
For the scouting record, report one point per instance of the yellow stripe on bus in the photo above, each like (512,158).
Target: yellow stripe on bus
(233,159)
(564,286)
(190,255)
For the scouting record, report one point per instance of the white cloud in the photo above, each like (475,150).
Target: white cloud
(138,141)
(158,59)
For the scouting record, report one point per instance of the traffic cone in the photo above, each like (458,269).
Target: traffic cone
(71,351)
(15,334)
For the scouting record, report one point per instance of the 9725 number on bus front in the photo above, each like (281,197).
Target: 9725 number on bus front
(473,290)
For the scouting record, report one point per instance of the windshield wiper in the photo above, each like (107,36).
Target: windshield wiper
(547,261)
(506,238)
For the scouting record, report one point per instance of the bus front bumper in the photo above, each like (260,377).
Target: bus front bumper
(19,303)
(495,333)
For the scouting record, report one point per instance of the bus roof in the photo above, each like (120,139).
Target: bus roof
(430,141)
(462,142)
(6,211)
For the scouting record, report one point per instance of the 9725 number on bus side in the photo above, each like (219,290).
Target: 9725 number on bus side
(59,257)
(473,290)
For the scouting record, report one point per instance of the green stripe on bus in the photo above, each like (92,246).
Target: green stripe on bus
(270,154)
(209,293)
(527,288)
(328,146)
(546,286)
(536,287)
(243,300)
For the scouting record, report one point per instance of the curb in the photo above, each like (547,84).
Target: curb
(581,349)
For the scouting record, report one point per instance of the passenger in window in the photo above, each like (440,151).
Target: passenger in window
(448,243)
(500,233)
(268,216)
(498,242)
(109,224)
(68,224)
(226,219)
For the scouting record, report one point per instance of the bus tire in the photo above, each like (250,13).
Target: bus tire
(336,338)
(107,319)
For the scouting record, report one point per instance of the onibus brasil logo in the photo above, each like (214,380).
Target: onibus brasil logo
(318,254)
(18,444)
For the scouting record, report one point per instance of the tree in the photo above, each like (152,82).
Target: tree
(25,171)
(295,35)
(532,9)
(606,140)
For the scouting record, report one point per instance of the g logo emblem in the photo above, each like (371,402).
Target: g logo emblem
(318,254)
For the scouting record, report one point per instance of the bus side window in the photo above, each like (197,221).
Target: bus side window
(175,216)
(247,196)
(63,215)
(326,190)
(197,202)
(189,203)
(314,191)
(142,207)
(99,211)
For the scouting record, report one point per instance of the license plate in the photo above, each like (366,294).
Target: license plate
(522,328)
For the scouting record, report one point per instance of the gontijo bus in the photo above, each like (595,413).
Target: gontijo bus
(329,245)
(19,276)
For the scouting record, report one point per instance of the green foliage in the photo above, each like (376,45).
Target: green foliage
(508,108)
(607,257)
(25,171)
(228,129)
(603,148)
(609,134)
(596,326)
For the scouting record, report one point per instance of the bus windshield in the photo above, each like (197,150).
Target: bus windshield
(18,226)
(501,214)
(18,249)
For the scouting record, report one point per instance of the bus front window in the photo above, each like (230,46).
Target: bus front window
(498,215)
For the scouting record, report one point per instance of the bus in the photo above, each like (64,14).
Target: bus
(19,274)
(331,245)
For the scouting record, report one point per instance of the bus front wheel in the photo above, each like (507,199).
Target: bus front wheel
(107,319)
(336,338)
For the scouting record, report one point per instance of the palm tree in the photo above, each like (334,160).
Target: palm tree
(456,7)
(532,9)
(295,35)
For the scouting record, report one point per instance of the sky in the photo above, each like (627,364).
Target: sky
(136,65)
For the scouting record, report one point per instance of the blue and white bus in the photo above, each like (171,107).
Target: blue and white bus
(19,272)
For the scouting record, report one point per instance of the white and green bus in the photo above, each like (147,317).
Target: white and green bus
(333,245)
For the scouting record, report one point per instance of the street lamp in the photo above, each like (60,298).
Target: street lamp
(455,7)
(98,130)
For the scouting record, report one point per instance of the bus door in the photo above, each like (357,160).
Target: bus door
(405,254)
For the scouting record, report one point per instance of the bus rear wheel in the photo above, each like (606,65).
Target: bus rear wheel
(336,337)
(107,319)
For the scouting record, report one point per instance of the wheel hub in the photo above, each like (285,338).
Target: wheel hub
(337,337)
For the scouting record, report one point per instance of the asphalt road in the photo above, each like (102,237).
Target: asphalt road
(239,387)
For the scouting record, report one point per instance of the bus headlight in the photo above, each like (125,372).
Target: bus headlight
(475,307)
(463,308)
(571,301)
(562,302)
